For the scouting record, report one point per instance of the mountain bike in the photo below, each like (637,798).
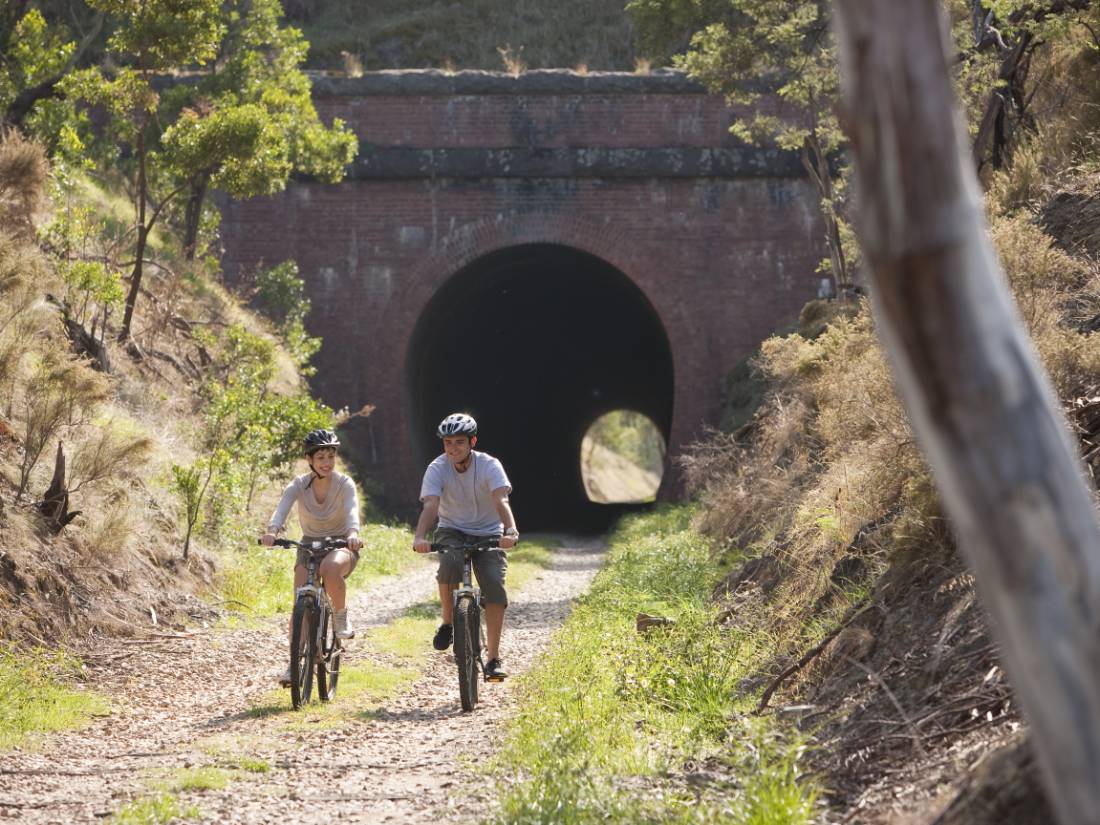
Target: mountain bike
(467,621)
(314,646)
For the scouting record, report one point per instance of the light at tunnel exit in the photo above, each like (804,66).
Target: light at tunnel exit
(622,459)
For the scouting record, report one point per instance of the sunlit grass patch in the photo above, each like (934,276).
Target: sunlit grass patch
(362,687)
(159,809)
(259,581)
(37,695)
(610,714)
(206,778)
(387,551)
(251,764)
(408,636)
(227,752)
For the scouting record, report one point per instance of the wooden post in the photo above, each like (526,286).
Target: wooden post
(981,406)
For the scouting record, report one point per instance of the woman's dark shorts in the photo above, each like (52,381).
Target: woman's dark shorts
(303,554)
(490,566)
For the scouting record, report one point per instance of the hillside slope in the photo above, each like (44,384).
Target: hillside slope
(881,653)
(127,419)
(391,34)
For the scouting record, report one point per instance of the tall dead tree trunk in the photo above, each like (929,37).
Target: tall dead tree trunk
(981,406)
(817,166)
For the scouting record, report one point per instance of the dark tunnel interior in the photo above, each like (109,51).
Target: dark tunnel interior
(536,342)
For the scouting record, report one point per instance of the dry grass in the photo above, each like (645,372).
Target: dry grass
(512,60)
(353,64)
(23,173)
(830,451)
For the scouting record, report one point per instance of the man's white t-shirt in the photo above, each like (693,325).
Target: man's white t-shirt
(465,499)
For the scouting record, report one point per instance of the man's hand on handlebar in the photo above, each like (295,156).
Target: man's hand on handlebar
(267,539)
(508,542)
(422,546)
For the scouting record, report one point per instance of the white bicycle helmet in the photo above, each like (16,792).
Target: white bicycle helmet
(457,424)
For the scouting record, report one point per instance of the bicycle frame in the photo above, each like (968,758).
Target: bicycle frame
(467,588)
(311,596)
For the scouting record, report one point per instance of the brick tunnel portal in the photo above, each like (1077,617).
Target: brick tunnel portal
(537,341)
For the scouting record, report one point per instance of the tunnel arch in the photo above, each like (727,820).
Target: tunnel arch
(537,341)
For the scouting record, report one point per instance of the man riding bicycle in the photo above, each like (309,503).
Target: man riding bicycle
(328,507)
(467,491)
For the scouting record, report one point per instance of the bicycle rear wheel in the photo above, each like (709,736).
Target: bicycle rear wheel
(467,629)
(303,649)
(328,663)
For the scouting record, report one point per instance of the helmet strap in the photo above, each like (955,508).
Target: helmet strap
(464,465)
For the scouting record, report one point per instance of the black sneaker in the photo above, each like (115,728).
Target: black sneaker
(494,671)
(443,637)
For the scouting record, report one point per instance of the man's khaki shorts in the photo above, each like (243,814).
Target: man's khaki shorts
(303,553)
(490,566)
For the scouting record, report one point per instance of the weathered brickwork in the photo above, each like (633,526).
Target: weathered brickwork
(722,260)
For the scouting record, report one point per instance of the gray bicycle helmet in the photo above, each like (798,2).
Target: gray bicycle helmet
(318,440)
(457,424)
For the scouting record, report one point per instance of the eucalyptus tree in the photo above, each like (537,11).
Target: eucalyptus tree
(150,38)
(256,87)
(209,94)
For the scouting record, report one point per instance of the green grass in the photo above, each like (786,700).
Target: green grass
(609,715)
(37,695)
(362,688)
(406,637)
(259,581)
(154,810)
(250,764)
(200,779)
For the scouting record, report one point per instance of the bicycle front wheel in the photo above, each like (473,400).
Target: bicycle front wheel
(467,629)
(303,649)
(328,663)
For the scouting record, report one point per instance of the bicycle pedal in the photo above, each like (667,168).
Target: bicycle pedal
(495,678)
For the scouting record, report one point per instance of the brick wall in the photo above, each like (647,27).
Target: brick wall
(723,260)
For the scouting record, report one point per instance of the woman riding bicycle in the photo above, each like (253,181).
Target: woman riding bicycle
(328,507)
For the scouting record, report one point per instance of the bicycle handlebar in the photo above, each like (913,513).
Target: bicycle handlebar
(327,544)
(486,544)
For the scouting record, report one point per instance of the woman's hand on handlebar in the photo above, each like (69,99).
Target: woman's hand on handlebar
(422,546)
(354,543)
(267,539)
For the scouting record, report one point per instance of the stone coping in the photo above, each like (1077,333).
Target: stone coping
(532,82)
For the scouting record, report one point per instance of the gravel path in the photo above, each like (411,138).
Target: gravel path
(183,702)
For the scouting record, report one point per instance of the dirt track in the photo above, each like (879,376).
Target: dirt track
(183,702)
